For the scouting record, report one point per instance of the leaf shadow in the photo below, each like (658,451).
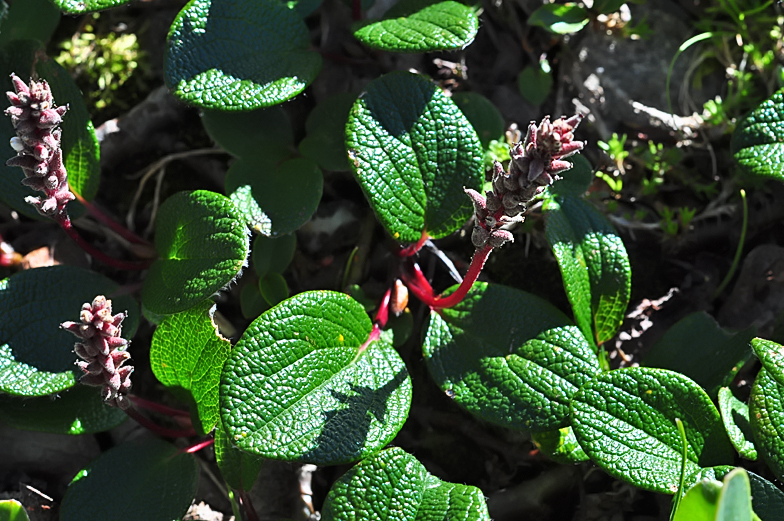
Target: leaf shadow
(345,434)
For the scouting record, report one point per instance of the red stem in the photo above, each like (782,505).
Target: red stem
(412,249)
(157,429)
(111,223)
(248,506)
(196,447)
(157,407)
(477,263)
(66,225)
(382,315)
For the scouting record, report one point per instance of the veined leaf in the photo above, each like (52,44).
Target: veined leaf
(766,412)
(758,141)
(238,468)
(735,415)
(394,486)
(85,6)
(306,383)
(413,151)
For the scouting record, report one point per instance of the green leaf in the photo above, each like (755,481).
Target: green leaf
(766,412)
(239,469)
(771,354)
(79,410)
(735,415)
(607,6)
(508,357)
(440,27)
(250,210)
(12,510)
(146,480)
(576,181)
(482,114)
(36,356)
(766,499)
(625,421)
(559,18)
(273,255)
(394,486)
(325,142)
(758,140)
(84,6)
(188,352)
(28,20)
(263,132)
(252,304)
(700,502)
(273,288)
(203,244)
(534,84)
(413,151)
(594,265)
(287,194)
(238,54)
(735,498)
(311,357)
(560,445)
(696,338)
(79,144)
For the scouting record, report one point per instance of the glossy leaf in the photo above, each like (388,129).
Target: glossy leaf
(238,54)
(188,353)
(12,510)
(625,421)
(700,502)
(36,356)
(560,445)
(534,84)
(250,210)
(79,410)
(439,27)
(413,151)
(394,486)
(758,140)
(203,244)
(771,354)
(735,498)
(325,142)
(287,194)
(239,469)
(84,6)
(273,255)
(482,114)
(302,385)
(766,499)
(264,132)
(148,480)
(594,265)
(508,357)
(766,412)
(80,146)
(696,338)
(560,18)
(735,415)
(28,20)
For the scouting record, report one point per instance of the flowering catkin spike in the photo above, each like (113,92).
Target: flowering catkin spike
(37,144)
(102,351)
(536,163)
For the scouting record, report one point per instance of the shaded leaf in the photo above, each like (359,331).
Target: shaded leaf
(28,20)
(325,142)
(273,254)
(482,114)
(534,84)
(239,469)
(766,499)
(265,132)
(560,445)
(559,18)
(735,415)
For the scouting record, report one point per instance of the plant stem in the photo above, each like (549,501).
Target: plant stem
(382,315)
(111,223)
(412,249)
(477,263)
(248,506)
(157,407)
(157,429)
(196,447)
(66,225)
(739,250)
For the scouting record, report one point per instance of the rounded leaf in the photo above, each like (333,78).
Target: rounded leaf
(443,26)
(145,480)
(264,132)
(482,114)
(203,244)
(12,510)
(79,410)
(239,469)
(325,143)
(735,415)
(413,151)
(36,356)
(625,421)
(771,354)
(534,84)
(394,486)
(508,357)
(238,54)
(766,412)
(273,255)
(758,140)
(287,195)
(560,18)
(305,383)
(560,445)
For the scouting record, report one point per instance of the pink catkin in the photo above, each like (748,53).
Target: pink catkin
(103,351)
